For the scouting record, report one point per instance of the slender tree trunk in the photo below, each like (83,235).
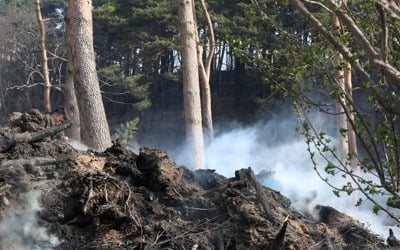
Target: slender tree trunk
(43,53)
(340,110)
(351,135)
(94,127)
(347,141)
(340,105)
(191,89)
(205,71)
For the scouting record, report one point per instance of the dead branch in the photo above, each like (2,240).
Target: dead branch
(9,141)
(56,56)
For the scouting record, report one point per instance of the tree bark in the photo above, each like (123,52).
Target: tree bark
(94,126)
(347,137)
(43,53)
(70,100)
(191,89)
(351,135)
(205,71)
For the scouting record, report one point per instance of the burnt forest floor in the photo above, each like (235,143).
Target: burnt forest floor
(53,196)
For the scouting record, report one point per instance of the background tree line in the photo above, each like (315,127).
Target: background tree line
(137,53)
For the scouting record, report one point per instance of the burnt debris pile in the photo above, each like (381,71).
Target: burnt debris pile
(121,200)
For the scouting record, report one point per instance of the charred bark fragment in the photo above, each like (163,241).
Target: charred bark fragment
(9,141)
(277,243)
(248,174)
(392,240)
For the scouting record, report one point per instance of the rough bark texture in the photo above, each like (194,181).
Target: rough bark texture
(191,89)
(70,100)
(94,127)
(43,53)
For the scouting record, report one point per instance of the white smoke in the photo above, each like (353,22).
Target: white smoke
(276,149)
(19,228)
(78,145)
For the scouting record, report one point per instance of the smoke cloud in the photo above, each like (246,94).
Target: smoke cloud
(279,155)
(19,228)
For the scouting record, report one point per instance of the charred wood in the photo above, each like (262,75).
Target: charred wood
(260,195)
(277,243)
(392,240)
(9,141)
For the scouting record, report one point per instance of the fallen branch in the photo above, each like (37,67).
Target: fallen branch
(9,141)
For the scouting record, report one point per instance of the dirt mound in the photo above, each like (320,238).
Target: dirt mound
(120,200)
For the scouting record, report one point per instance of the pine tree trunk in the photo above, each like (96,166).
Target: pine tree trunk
(70,101)
(191,88)
(94,127)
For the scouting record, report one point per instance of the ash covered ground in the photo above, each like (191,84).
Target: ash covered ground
(53,196)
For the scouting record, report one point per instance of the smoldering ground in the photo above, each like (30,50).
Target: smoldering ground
(19,228)
(278,154)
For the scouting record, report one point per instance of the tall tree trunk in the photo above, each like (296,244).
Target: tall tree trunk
(340,105)
(191,88)
(351,135)
(205,71)
(347,137)
(94,127)
(43,53)
(70,101)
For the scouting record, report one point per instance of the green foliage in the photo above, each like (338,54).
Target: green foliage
(135,83)
(330,168)
(127,131)
(376,208)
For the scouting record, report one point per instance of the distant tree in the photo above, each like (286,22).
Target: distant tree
(19,71)
(94,126)
(345,115)
(191,88)
(43,53)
